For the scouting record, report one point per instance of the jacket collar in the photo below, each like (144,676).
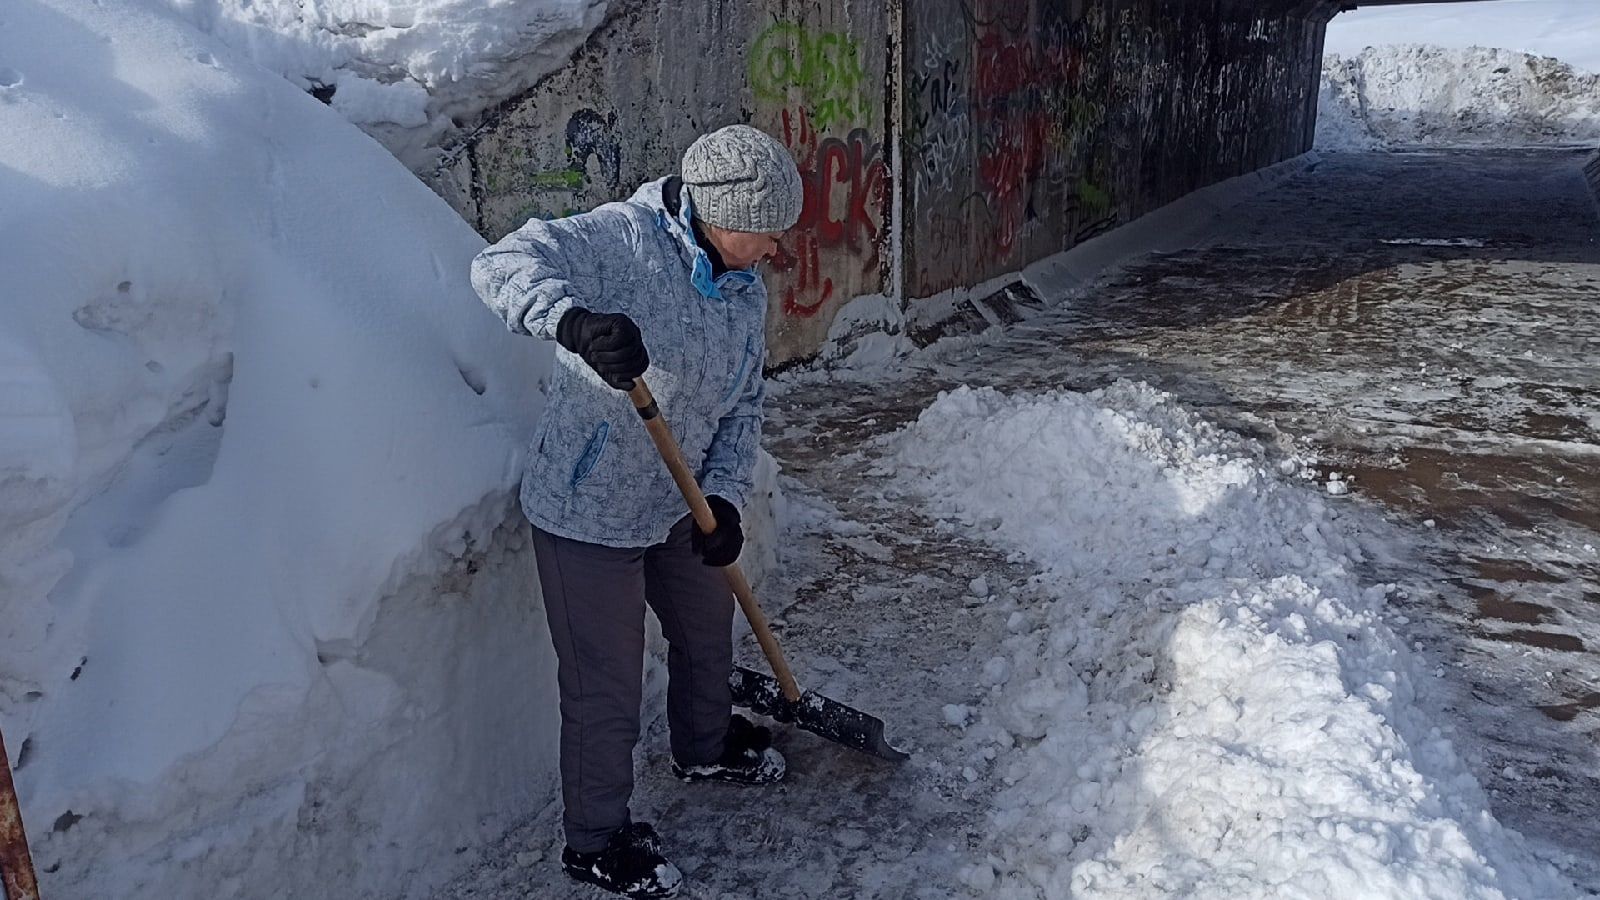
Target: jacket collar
(673,199)
(674,213)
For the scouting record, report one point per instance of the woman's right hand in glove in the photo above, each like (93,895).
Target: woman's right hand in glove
(609,342)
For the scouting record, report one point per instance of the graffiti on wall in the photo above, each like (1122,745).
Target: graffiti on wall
(590,170)
(1024,127)
(1070,118)
(592,136)
(846,181)
(938,124)
(1011,126)
(820,101)
(1006,114)
(823,68)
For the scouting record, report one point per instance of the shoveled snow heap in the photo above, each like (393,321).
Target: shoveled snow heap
(1408,95)
(403,69)
(1213,705)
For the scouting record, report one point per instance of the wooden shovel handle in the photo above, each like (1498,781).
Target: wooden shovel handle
(16,866)
(645,403)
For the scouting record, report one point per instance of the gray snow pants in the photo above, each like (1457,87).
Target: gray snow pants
(594,597)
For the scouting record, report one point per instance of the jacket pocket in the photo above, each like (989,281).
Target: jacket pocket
(591,453)
(739,375)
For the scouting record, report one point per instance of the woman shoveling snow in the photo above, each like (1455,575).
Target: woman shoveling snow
(674,263)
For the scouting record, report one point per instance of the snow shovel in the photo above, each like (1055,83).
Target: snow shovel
(780,697)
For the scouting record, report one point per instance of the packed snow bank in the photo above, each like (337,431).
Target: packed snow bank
(1432,96)
(1212,706)
(266,632)
(403,69)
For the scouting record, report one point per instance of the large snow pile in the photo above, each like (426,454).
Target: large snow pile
(1213,705)
(261,629)
(1568,30)
(404,70)
(1407,95)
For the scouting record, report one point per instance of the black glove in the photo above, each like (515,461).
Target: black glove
(609,342)
(720,547)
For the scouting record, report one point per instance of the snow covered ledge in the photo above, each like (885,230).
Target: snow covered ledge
(406,71)
(270,626)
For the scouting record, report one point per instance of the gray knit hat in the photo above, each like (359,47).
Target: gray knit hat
(741,179)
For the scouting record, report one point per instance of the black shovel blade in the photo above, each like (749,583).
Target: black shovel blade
(813,712)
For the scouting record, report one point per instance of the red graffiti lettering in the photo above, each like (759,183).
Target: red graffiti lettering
(845,185)
(1008,68)
(1012,123)
(808,289)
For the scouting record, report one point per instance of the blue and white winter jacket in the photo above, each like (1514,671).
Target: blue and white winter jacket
(593,475)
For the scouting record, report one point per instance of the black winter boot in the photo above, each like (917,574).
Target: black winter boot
(747,758)
(631,865)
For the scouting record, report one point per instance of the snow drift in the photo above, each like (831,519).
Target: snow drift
(265,630)
(1408,95)
(1213,705)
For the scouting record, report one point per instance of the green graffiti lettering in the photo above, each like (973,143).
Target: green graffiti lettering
(556,179)
(823,69)
(1094,201)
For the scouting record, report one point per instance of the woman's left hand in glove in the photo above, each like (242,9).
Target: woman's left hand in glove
(720,547)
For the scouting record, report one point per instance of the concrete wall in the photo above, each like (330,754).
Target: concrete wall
(1591,172)
(1033,125)
(1023,126)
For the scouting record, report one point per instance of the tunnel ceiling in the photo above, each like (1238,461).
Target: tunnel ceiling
(1356,4)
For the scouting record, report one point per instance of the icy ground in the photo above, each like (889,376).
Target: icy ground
(1418,324)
